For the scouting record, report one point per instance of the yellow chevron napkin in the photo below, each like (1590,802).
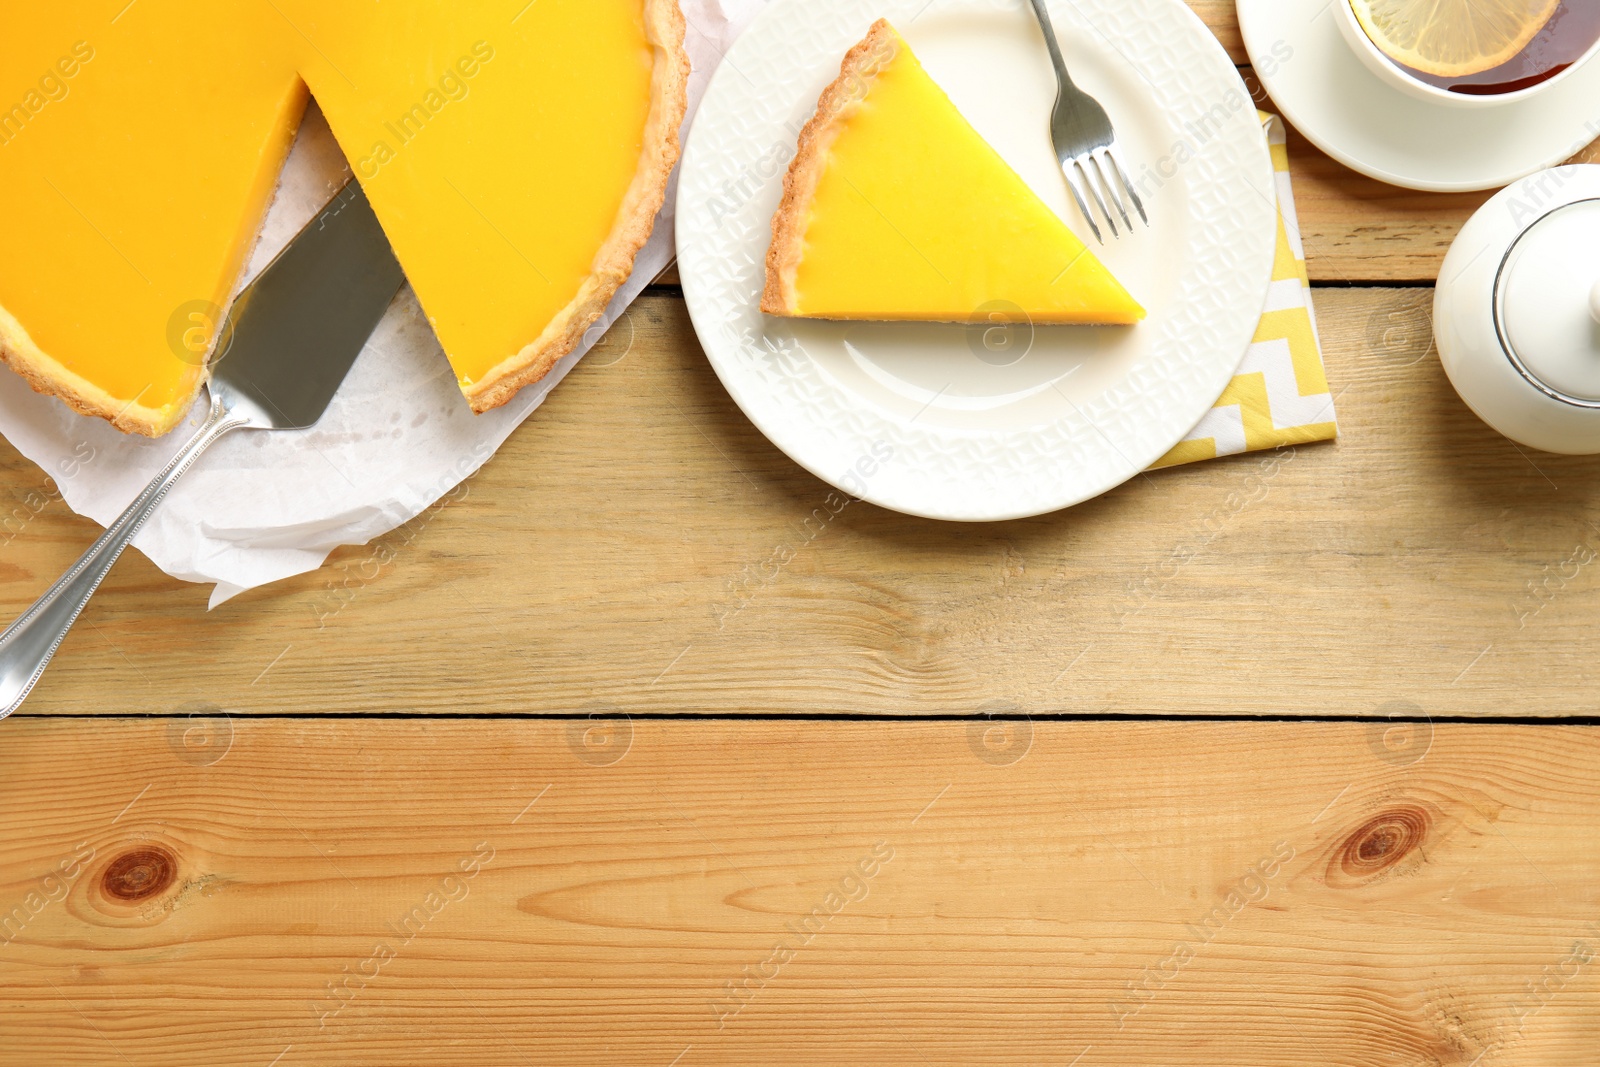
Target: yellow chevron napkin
(1280,394)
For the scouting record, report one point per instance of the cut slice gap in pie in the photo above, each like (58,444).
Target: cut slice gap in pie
(516,156)
(895,208)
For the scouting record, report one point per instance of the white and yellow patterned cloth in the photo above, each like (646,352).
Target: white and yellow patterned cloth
(1280,394)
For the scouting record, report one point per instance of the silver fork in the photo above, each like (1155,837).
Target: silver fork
(1086,144)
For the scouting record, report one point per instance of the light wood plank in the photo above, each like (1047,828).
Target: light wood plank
(1386,913)
(626,549)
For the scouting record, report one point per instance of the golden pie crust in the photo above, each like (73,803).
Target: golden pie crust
(664,23)
(861,65)
(49,377)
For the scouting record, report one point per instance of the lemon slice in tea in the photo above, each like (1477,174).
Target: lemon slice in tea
(1453,38)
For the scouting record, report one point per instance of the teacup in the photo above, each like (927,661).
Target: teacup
(1396,75)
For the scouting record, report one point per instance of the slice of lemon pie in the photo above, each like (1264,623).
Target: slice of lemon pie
(895,208)
(515,153)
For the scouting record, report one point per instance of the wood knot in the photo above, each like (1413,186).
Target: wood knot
(140,874)
(1380,843)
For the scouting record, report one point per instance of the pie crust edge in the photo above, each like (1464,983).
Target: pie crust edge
(665,27)
(45,375)
(837,103)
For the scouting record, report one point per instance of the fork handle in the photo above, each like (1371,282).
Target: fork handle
(1056,58)
(28,644)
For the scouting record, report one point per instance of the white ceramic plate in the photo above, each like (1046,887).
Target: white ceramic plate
(956,422)
(1319,85)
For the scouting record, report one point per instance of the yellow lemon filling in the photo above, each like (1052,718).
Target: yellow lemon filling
(895,208)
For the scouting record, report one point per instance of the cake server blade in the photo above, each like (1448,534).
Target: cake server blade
(294,332)
(286,345)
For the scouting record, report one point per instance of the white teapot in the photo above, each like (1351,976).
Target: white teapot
(1516,314)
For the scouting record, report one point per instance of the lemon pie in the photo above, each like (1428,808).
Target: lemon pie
(516,154)
(894,207)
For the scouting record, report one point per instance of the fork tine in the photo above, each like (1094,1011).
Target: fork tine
(1086,164)
(1083,205)
(1103,169)
(1116,163)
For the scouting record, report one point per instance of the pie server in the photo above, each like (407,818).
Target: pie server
(289,339)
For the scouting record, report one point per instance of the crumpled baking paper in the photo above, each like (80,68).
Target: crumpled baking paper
(262,506)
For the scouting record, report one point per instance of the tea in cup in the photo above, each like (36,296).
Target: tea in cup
(1472,53)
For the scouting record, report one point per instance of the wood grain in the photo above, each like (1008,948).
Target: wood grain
(1225,894)
(640,545)
(211,883)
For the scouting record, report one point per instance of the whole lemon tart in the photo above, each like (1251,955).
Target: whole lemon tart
(515,153)
(895,208)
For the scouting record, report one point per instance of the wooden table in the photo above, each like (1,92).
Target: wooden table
(612,758)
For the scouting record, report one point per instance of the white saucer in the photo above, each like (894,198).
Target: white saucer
(1319,85)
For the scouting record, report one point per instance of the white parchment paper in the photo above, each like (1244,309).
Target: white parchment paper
(263,506)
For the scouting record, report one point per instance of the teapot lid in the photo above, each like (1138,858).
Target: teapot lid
(1547,303)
